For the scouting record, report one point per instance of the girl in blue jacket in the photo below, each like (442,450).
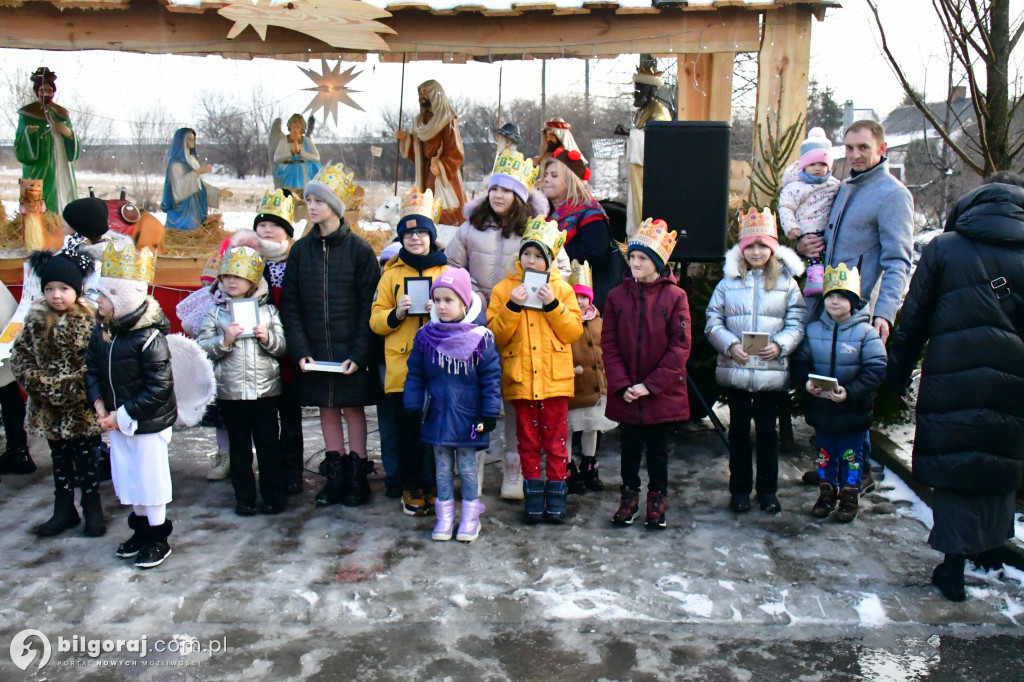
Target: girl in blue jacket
(455,380)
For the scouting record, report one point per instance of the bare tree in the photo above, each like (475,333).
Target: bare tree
(980,38)
(231,134)
(150,134)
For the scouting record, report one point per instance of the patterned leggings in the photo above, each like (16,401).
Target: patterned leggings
(75,464)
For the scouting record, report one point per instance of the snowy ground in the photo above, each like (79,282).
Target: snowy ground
(363,593)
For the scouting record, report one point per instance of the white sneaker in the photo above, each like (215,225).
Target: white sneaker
(221,467)
(512,478)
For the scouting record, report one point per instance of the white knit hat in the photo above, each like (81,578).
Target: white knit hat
(816,149)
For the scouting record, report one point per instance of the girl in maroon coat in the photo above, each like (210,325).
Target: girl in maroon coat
(646,343)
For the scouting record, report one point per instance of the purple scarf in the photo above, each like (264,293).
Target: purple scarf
(453,345)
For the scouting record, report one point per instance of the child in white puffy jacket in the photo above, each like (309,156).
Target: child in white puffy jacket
(806,200)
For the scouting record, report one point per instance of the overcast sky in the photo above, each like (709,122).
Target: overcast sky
(845,55)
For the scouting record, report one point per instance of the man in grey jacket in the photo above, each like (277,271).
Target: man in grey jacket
(871,226)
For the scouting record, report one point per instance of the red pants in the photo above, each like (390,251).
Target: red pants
(543,424)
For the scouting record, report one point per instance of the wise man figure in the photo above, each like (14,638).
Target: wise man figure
(506,139)
(646,82)
(435,146)
(45,144)
(556,133)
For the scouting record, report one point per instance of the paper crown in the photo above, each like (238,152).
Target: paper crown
(581,275)
(648,75)
(754,224)
(338,181)
(123,261)
(421,203)
(546,234)
(841,278)
(242,261)
(655,235)
(517,167)
(275,203)
(209,273)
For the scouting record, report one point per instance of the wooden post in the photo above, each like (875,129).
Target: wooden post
(705,86)
(722,64)
(782,66)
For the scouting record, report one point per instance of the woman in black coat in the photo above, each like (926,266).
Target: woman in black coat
(969,443)
(326,296)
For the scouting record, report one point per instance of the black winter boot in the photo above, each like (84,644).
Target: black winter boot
(949,577)
(131,546)
(64,516)
(92,510)
(17,461)
(590,473)
(554,498)
(156,549)
(333,470)
(629,507)
(533,492)
(356,486)
(577,486)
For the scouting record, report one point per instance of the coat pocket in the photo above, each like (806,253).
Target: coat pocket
(511,364)
(561,361)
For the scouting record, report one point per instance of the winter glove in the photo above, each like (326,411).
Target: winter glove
(489,423)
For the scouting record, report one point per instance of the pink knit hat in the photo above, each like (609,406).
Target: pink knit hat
(815,149)
(458,281)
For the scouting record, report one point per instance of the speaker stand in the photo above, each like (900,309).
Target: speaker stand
(719,426)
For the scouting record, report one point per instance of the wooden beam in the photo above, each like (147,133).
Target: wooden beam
(722,65)
(694,73)
(782,68)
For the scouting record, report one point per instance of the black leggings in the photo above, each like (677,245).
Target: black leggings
(763,407)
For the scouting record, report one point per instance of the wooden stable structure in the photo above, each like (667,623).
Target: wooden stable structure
(704,35)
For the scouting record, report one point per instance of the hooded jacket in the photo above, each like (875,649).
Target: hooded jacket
(853,353)
(970,408)
(487,255)
(456,400)
(804,205)
(646,339)
(248,369)
(128,365)
(591,383)
(742,305)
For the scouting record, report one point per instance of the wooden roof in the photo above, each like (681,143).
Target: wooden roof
(435,29)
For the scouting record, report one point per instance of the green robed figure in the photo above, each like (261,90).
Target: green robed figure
(45,144)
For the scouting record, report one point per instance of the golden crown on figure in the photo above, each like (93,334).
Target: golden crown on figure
(338,181)
(545,233)
(275,203)
(124,261)
(242,261)
(648,75)
(841,278)
(655,235)
(581,274)
(758,224)
(516,166)
(421,203)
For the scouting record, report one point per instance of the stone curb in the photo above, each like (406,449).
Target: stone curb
(883,450)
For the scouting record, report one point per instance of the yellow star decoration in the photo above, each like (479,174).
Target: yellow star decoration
(331,89)
(343,24)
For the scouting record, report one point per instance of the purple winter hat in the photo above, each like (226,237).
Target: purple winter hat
(458,281)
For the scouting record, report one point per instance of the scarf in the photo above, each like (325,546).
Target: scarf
(813,179)
(453,345)
(571,217)
(274,251)
(422,262)
(590,313)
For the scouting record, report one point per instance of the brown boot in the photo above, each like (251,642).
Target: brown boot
(849,500)
(826,504)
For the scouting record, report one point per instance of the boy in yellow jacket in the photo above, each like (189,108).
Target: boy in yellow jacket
(391,317)
(536,364)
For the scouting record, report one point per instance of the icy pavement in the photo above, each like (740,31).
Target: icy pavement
(363,593)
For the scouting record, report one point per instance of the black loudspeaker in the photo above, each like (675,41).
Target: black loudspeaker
(686,184)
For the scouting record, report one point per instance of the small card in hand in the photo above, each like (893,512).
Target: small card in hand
(534,280)
(246,312)
(418,289)
(826,384)
(754,342)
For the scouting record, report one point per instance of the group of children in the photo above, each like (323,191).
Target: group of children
(448,362)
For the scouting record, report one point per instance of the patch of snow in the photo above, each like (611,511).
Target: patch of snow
(1013,609)
(871,612)
(459,600)
(727,584)
(895,490)
(878,665)
(696,604)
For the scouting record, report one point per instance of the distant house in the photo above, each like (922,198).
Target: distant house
(905,125)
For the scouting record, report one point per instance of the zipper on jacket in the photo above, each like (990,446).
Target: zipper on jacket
(110,375)
(327,328)
(835,338)
(639,350)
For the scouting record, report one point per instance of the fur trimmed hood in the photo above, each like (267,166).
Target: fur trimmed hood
(791,262)
(538,202)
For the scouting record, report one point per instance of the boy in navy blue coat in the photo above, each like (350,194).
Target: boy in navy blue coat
(843,345)
(455,380)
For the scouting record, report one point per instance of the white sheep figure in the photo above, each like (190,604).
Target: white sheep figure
(389,212)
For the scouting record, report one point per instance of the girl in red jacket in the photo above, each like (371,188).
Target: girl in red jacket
(646,343)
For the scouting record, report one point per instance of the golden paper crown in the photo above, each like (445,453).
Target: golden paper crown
(648,75)
(277,204)
(754,224)
(655,235)
(123,261)
(421,203)
(581,275)
(517,167)
(545,233)
(338,181)
(242,261)
(841,278)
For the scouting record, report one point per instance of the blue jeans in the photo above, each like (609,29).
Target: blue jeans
(840,457)
(388,430)
(444,458)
